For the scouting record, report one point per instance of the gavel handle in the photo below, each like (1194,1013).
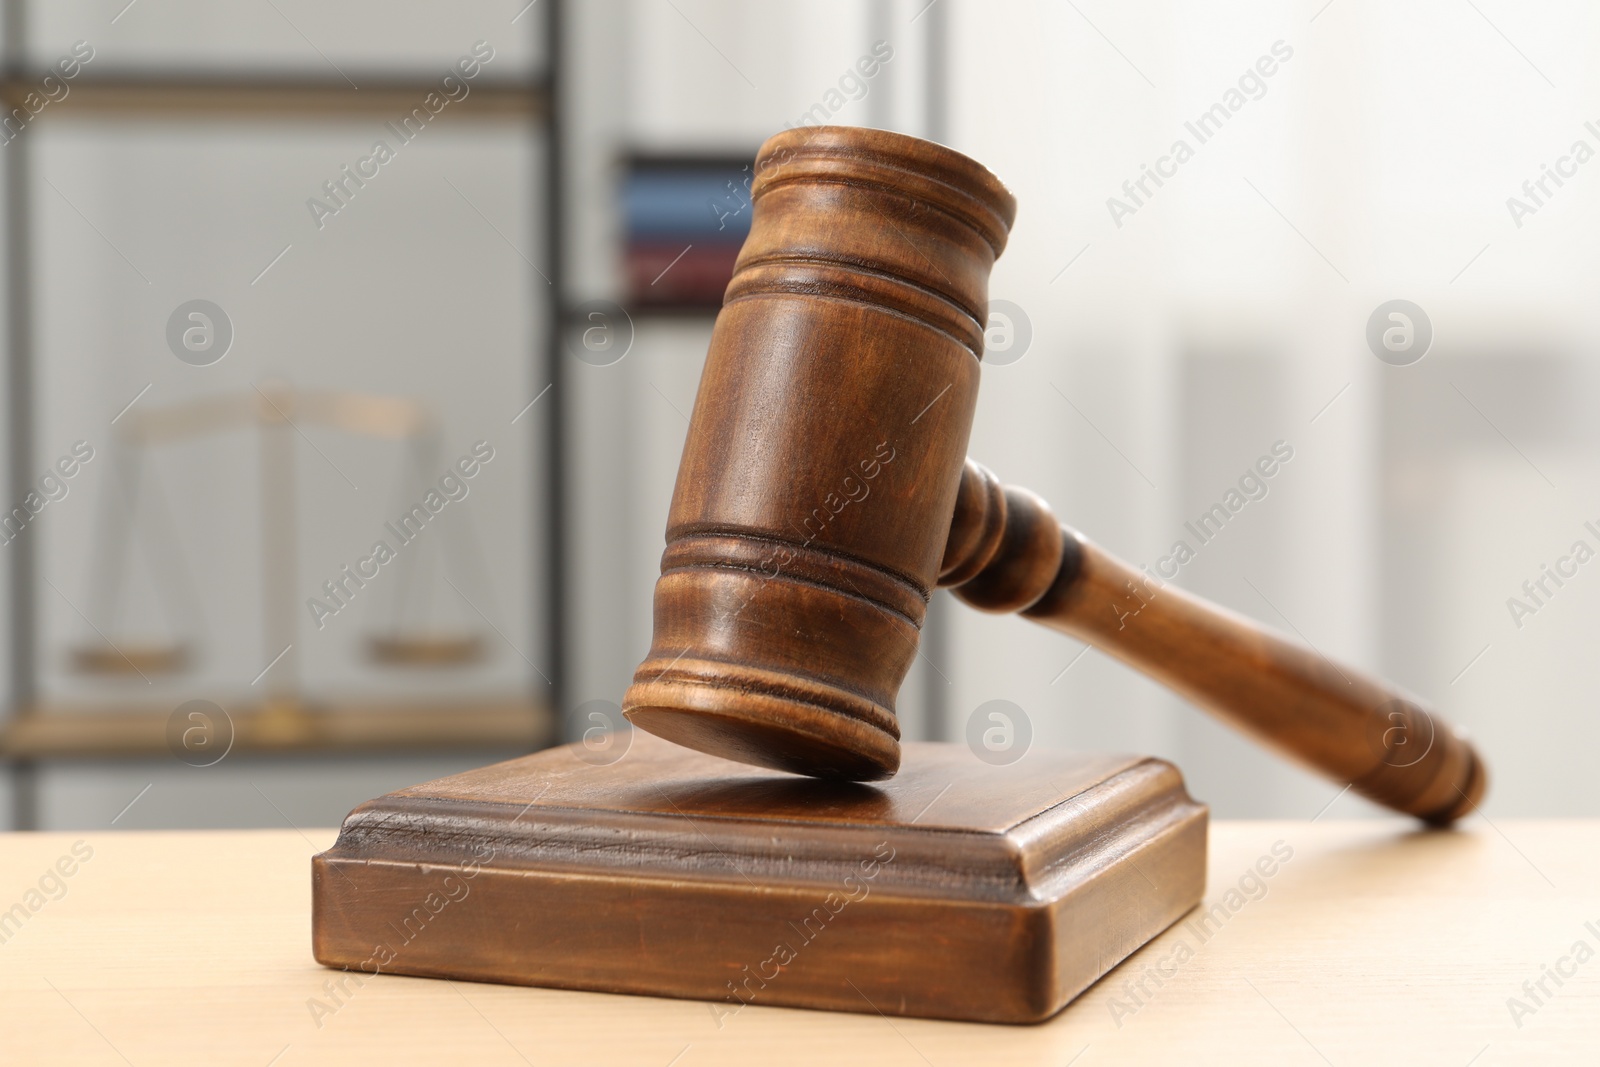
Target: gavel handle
(1007,552)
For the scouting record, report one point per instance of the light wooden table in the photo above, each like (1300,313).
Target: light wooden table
(1372,944)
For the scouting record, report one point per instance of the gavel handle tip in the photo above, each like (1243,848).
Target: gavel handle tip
(1468,795)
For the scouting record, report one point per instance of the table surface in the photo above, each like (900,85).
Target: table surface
(1372,943)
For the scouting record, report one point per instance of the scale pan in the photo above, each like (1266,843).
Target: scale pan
(129,658)
(425,650)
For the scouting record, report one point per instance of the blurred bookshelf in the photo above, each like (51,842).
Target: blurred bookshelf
(254,89)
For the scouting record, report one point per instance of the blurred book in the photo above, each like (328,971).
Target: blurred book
(685,218)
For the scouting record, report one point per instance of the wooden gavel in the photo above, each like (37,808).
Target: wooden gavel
(824,492)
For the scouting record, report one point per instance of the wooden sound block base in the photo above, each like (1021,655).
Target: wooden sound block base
(955,890)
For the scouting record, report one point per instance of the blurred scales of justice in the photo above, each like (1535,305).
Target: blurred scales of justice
(283,718)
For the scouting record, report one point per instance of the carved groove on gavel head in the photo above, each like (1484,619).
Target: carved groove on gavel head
(824,492)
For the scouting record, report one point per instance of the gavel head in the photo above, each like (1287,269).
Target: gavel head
(815,493)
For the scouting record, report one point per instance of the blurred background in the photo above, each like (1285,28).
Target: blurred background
(285,282)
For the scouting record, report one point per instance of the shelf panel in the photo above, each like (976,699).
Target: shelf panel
(267,96)
(60,732)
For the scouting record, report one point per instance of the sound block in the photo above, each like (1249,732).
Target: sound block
(955,890)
